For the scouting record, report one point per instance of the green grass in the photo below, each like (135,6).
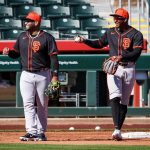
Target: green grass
(68,147)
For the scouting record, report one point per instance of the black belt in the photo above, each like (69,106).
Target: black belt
(39,70)
(125,63)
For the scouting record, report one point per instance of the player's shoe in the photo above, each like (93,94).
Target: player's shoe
(29,137)
(117,135)
(42,137)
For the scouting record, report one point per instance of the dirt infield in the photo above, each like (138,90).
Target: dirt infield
(74,138)
(84,132)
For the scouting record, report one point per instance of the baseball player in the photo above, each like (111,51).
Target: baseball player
(38,51)
(125,43)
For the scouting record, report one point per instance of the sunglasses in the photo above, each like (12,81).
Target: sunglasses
(29,20)
(119,18)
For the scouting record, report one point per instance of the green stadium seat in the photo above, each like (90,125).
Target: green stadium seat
(83,11)
(53,11)
(75,2)
(45,24)
(93,23)
(22,10)
(0,36)
(65,23)
(55,34)
(19,2)
(6,11)
(10,23)
(2,2)
(47,2)
(11,34)
(71,33)
(95,34)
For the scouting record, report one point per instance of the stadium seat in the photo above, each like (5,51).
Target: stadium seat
(53,11)
(83,11)
(75,2)
(71,33)
(6,11)
(93,23)
(96,33)
(65,23)
(11,34)
(45,24)
(0,35)
(22,10)
(10,23)
(2,2)
(55,34)
(47,2)
(19,2)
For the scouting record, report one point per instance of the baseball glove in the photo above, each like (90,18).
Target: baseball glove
(53,90)
(110,65)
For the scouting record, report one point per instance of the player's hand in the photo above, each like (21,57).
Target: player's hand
(6,51)
(79,39)
(119,58)
(54,78)
(116,58)
(53,89)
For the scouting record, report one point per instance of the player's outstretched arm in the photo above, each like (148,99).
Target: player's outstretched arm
(11,53)
(91,43)
(6,51)
(79,39)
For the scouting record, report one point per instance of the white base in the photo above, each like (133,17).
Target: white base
(135,135)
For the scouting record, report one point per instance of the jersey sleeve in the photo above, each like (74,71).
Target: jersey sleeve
(16,45)
(99,43)
(14,53)
(53,51)
(104,39)
(138,41)
(52,47)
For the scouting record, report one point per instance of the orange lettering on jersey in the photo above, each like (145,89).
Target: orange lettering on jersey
(36,46)
(126,43)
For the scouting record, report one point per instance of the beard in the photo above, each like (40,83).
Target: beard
(117,25)
(27,28)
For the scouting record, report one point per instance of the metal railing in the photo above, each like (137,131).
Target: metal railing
(75,97)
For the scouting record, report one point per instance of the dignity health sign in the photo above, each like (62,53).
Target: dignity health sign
(9,64)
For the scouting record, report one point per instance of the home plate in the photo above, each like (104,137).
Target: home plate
(135,135)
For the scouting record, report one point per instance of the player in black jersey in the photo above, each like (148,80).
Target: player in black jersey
(126,43)
(38,51)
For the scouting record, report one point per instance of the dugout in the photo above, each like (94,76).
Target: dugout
(84,63)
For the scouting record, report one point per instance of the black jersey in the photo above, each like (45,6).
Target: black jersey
(129,44)
(35,51)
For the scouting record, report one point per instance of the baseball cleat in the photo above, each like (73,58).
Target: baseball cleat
(42,137)
(117,135)
(29,137)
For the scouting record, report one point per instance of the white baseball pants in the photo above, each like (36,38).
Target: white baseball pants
(32,86)
(122,86)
